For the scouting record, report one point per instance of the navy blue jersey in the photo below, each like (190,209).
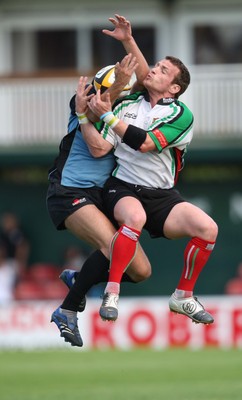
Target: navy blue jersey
(75,166)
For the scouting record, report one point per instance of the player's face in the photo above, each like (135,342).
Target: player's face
(161,78)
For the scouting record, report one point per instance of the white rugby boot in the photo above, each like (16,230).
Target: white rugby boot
(192,308)
(109,308)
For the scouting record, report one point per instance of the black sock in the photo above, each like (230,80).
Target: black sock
(93,271)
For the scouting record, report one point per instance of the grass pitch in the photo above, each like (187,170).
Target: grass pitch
(144,374)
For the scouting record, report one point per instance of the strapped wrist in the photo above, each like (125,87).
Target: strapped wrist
(105,114)
(110,119)
(82,118)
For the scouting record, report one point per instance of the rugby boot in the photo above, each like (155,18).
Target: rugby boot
(66,322)
(109,308)
(190,307)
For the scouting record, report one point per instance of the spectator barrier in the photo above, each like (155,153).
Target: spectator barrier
(143,321)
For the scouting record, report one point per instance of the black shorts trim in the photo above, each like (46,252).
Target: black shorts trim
(63,201)
(157,203)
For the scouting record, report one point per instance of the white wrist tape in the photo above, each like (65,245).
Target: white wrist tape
(111,120)
(82,118)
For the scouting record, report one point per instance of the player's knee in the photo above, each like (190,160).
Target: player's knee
(142,274)
(212,231)
(215,230)
(136,220)
(146,274)
(208,231)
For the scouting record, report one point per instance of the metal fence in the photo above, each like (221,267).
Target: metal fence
(35,111)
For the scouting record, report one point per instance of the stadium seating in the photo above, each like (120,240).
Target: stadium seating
(41,282)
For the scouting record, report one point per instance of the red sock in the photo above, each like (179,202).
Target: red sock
(123,249)
(196,256)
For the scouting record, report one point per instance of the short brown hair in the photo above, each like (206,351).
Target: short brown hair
(183,78)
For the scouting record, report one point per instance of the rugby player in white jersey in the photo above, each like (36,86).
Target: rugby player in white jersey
(150,132)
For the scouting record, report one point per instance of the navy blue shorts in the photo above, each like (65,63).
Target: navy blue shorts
(157,203)
(63,201)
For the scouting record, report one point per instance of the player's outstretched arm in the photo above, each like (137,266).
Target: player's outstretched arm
(123,32)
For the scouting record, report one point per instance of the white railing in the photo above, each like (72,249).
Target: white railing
(35,111)
(215,97)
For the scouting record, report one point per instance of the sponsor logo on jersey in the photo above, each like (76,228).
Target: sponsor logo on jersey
(130,115)
(167,100)
(79,201)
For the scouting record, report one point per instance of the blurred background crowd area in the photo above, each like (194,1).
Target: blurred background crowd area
(22,280)
(44,47)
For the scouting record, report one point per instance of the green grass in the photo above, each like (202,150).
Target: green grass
(173,374)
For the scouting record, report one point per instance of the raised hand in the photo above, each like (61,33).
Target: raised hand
(122,28)
(125,69)
(100,106)
(82,96)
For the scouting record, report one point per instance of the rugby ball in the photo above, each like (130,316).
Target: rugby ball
(106,77)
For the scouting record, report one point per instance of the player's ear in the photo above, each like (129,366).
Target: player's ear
(175,88)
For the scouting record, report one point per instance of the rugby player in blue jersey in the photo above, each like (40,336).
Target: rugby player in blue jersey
(74,202)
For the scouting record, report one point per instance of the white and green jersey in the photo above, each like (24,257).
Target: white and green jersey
(170,121)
